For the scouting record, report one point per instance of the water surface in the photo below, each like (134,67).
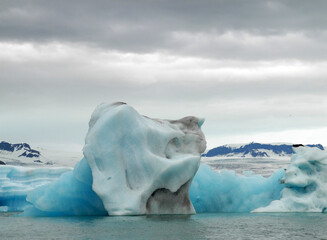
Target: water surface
(200,226)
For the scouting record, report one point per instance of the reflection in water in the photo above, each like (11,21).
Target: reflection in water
(168,217)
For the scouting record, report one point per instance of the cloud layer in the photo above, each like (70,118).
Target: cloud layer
(252,68)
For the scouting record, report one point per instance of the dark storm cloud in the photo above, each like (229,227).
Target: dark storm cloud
(221,29)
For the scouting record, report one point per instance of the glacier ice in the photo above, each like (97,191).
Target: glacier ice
(134,164)
(226,191)
(16,182)
(305,183)
(142,165)
(210,191)
(71,194)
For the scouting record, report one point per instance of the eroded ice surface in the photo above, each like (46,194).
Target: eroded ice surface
(133,165)
(142,165)
(305,183)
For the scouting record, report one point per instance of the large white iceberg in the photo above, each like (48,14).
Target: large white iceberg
(142,165)
(135,165)
(305,183)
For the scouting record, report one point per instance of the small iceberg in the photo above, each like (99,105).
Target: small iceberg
(305,183)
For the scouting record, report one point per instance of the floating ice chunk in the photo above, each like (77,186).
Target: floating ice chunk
(228,192)
(16,182)
(305,183)
(142,165)
(70,195)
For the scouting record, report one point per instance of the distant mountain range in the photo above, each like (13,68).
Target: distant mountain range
(22,154)
(255,150)
(19,149)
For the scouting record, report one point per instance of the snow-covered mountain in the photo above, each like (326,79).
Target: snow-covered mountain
(255,150)
(22,154)
(19,150)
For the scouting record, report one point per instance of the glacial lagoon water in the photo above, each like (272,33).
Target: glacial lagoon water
(201,226)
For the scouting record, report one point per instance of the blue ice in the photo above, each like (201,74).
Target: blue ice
(71,194)
(135,165)
(228,192)
(210,192)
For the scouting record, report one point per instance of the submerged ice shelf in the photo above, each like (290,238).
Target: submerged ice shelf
(136,165)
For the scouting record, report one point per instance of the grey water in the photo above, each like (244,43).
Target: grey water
(200,226)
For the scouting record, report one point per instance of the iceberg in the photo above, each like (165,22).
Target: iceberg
(305,183)
(136,165)
(132,165)
(72,193)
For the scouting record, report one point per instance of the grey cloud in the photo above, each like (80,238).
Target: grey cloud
(147,26)
(73,93)
(44,95)
(84,82)
(59,110)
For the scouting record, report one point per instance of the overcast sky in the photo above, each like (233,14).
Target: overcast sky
(256,70)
